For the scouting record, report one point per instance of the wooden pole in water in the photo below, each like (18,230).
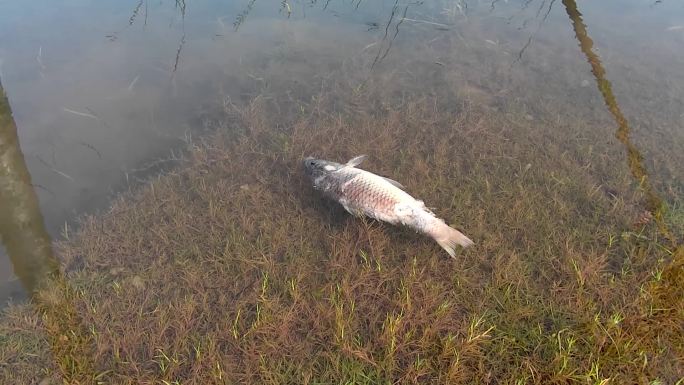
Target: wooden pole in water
(29,246)
(22,230)
(668,292)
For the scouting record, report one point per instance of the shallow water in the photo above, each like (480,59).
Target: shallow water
(105,94)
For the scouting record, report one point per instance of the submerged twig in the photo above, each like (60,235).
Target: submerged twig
(243,15)
(131,20)
(44,189)
(39,59)
(427,22)
(132,84)
(46,164)
(384,37)
(492,6)
(90,114)
(180,4)
(285,6)
(396,32)
(529,40)
(90,146)
(86,115)
(178,53)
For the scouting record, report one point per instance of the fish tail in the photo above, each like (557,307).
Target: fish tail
(448,237)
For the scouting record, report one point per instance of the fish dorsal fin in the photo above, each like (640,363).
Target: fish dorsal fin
(355,161)
(394,183)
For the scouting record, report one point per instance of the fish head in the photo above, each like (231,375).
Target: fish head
(316,168)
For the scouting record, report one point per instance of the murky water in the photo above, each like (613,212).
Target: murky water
(105,93)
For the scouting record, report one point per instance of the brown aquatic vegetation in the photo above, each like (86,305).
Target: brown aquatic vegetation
(231,270)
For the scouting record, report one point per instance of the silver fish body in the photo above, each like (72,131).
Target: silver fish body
(363,193)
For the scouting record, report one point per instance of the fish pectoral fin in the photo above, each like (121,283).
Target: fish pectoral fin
(394,183)
(355,161)
(355,212)
(350,209)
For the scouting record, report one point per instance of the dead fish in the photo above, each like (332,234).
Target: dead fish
(363,193)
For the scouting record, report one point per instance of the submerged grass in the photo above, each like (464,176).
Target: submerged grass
(230,270)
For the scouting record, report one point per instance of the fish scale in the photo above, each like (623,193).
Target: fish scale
(368,197)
